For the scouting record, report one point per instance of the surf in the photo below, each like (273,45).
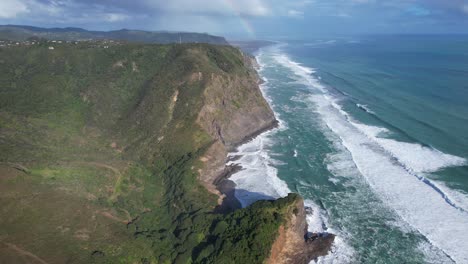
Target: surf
(259,180)
(390,167)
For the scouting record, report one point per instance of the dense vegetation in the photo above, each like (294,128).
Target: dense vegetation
(99,153)
(21,33)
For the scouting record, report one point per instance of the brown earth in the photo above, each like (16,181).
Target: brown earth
(291,246)
(229,122)
(230,125)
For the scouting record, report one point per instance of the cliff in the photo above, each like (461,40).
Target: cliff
(293,244)
(231,123)
(265,232)
(101,149)
(234,111)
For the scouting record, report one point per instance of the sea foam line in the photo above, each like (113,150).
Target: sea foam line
(416,203)
(432,160)
(259,180)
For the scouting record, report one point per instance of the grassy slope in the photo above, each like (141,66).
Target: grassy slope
(98,160)
(21,33)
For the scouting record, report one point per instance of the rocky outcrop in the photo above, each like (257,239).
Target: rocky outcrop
(234,108)
(234,111)
(293,243)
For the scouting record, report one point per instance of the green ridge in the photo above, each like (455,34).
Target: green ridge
(96,167)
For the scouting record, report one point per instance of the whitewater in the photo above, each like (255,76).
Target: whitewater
(395,171)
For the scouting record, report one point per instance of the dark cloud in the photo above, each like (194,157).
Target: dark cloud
(244,16)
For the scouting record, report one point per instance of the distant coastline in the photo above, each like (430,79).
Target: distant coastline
(23,33)
(252,46)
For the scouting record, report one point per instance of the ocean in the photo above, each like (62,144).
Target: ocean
(373,134)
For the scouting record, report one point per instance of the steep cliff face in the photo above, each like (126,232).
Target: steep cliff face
(292,244)
(116,138)
(234,110)
(265,232)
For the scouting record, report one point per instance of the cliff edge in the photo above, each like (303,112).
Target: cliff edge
(234,111)
(293,243)
(120,140)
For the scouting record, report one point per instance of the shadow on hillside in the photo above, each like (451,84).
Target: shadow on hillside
(230,202)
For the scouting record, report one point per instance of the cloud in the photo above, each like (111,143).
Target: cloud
(12,8)
(363,1)
(441,8)
(206,7)
(248,8)
(112,11)
(295,13)
(114,17)
(219,16)
(465,9)
(418,11)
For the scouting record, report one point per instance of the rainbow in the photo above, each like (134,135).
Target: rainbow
(249,29)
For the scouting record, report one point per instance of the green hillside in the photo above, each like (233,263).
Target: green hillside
(100,152)
(22,33)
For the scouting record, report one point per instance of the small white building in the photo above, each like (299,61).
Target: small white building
(51,48)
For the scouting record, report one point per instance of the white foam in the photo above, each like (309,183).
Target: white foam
(340,253)
(415,157)
(432,255)
(416,202)
(320,43)
(365,108)
(317,222)
(258,180)
(298,69)
(459,198)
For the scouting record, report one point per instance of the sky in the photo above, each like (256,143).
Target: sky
(248,19)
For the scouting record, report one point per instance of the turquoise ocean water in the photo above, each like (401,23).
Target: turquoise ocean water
(374,134)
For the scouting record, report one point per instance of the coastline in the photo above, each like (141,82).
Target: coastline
(222,182)
(226,186)
(306,245)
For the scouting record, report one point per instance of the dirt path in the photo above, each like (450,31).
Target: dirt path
(109,167)
(103,165)
(113,217)
(24,252)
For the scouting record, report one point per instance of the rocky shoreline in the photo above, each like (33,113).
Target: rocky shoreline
(294,244)
(227,187)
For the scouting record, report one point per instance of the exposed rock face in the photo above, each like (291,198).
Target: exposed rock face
(234,108)
(234,111)
(291,245)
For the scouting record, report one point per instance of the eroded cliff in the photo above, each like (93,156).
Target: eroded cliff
(234,111)
(293,243)
(116,139)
